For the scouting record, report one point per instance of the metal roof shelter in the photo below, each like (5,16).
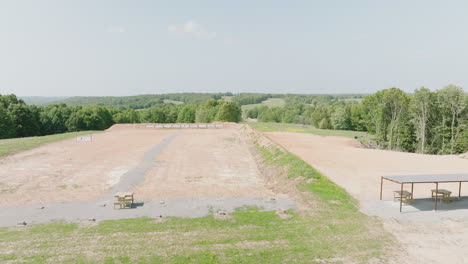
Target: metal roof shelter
(428,178)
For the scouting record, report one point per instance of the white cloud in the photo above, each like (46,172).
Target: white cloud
(192,28)
(117,29)
(172,28)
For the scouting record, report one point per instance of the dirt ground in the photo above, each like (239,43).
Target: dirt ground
(205,163)
(196,162)
(358,170)
(73,171)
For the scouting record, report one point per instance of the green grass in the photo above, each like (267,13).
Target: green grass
(270,102)
(167,101)
(13,145)
(363,137)
(332,229)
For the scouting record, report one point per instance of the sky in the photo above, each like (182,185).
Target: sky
(123,47)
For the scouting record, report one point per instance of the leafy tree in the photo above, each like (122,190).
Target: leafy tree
(229,112)
(453,103)
(25,121)
(90,118)
(422,116)
(341,119)
(186,114)
(153,115)
(7,127)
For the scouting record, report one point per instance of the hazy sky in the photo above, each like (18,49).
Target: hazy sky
(112,47)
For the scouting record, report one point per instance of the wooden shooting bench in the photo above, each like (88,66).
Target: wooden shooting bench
(426,178)
(124,200)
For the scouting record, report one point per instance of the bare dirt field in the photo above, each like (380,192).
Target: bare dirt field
(205,163)
(427,236)
(190,170)
(73,171)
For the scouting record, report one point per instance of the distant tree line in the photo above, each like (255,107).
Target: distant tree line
(141,101)
(422,122)
(17,119)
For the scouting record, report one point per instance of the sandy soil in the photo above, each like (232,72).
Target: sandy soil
(358,170)
(205,163)
(73,171)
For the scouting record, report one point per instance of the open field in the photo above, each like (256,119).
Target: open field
(427,236)
(180,173)
(167,101)
(13,145)
(362,137)
(270,102)
(282,127)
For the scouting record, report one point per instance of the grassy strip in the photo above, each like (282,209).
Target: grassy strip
(362,137)
(13,145)
(333,231)
(270,102)
(317,183)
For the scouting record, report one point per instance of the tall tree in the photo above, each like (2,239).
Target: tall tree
(422,110)
(453,102)
(7,127)
(229,112)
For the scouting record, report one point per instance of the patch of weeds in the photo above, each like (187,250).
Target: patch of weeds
(37,258)
(63,186)
(248,208)
(199,258)
(7,257)
(55,227)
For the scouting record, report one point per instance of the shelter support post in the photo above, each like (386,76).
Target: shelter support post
(401,197)
(381,185)
(437,193)
(412,188)
(459,190)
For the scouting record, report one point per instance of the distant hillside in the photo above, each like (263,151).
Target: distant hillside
(142,101)
(149,100)
(41,100)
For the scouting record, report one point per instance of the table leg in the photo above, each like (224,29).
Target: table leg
(412,188)
(381,185)
(437,192)
(459,190)
(401,197)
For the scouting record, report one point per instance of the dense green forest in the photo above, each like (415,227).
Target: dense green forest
(423,122)
(434,122)
(17,119)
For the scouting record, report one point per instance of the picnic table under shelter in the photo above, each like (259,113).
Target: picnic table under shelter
(425,178)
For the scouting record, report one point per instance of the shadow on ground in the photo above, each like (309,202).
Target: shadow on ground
(427,204)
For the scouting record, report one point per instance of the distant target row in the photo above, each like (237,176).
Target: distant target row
(159,126)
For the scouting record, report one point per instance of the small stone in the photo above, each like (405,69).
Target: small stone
(22,223)
(222,213)
(162,202)
(92,219)
(160,216)
(41,207)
